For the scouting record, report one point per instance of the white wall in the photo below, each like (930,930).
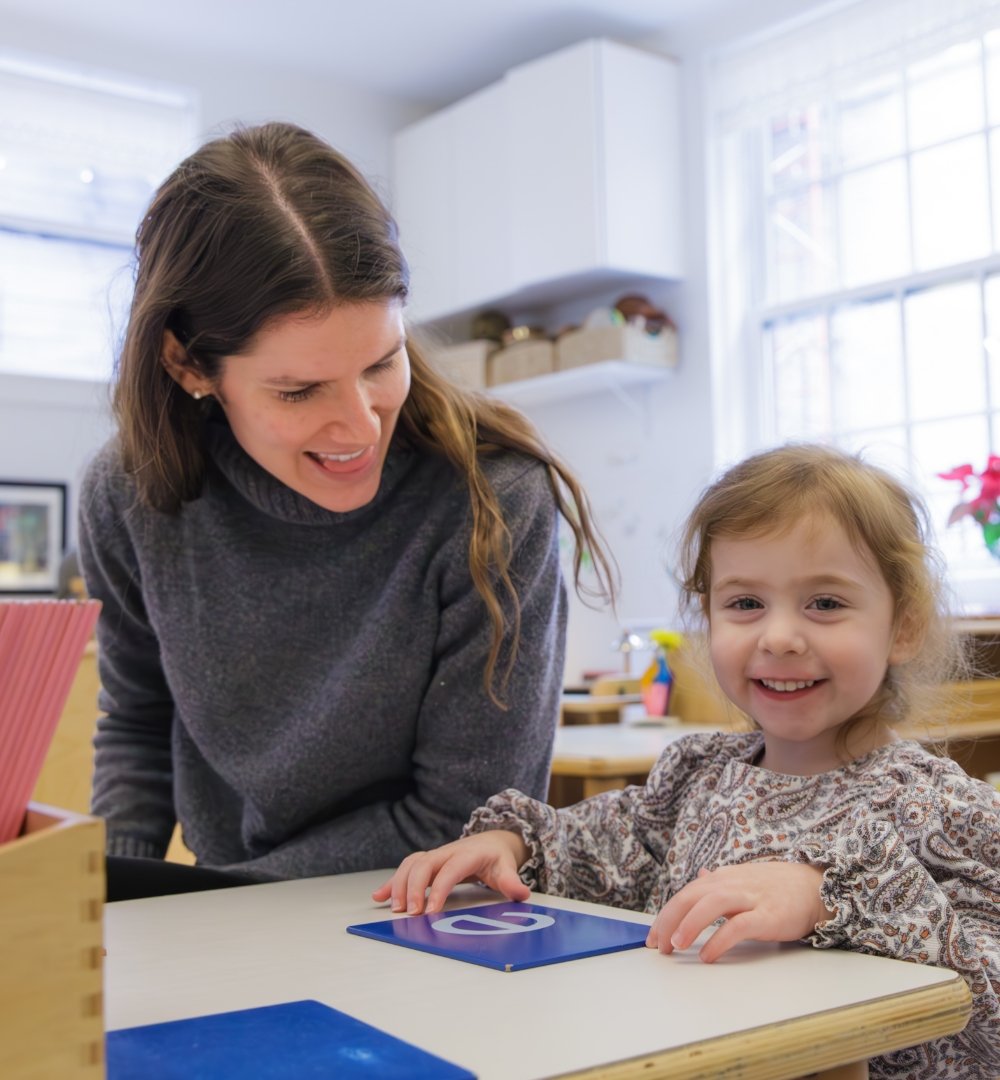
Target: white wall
(643,466)
(49,429)
(644,455)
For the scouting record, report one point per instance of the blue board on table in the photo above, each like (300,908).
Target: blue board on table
(508,936)
(295,1039)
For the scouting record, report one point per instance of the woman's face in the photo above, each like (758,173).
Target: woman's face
(315,399)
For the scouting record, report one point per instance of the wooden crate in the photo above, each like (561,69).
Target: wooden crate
(51,936)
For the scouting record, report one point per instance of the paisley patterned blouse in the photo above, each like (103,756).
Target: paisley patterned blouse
(910,843)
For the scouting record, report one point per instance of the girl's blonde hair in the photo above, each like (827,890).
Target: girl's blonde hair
(270,222)
(773,491)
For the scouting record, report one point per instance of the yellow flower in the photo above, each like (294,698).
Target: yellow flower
(667,639)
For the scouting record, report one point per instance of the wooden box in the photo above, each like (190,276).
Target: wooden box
(520,360)
(594,344)
(51,934)
(464,364)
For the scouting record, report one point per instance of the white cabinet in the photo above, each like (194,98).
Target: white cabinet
(479,198)
(597,140)
(450,203)
(561,178)
(422,155)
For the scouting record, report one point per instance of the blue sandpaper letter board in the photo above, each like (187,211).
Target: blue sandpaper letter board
(300,1039)
(508,936)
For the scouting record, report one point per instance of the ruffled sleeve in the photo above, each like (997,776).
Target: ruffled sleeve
(916,876)
(609,849)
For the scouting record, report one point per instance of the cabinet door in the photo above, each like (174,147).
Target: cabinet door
(562,176)
(480,204)
(639,121)
(557,220)
(423,205)
(452,205)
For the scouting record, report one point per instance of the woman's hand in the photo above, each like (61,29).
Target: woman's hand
(490,857)
(760,901)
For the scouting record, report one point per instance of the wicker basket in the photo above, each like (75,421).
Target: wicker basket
(521,360)
(464,364)
(590,346)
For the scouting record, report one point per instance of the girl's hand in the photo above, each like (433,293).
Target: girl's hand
(760,901)
(490,857)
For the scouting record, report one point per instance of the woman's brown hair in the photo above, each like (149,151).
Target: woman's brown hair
(771,491)
(268,222)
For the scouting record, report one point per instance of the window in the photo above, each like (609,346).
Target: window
(857,177)
(80,156)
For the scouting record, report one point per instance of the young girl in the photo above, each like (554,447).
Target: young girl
(822,608)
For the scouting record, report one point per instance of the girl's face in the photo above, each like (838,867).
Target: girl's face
(801,636)
(316,398)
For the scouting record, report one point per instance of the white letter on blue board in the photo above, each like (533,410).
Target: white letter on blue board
(493,926)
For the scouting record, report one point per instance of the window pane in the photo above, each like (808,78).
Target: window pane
(950,205)
(991,298)
(62,305)
(84,155)
(991,44)
(938,447)
(868,380)
(81,152)
(994,137)
(800,371)
(797,148)
(886,448)
(874,224)
(802,262)
(946,95)
(945,352)
(870,123)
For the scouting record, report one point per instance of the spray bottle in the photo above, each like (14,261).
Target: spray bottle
(657,680)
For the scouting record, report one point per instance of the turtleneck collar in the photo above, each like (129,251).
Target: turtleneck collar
(270,496)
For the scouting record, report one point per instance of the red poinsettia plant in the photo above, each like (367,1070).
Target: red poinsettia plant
(984,507)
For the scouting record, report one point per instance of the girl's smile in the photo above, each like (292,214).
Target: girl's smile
(788,688)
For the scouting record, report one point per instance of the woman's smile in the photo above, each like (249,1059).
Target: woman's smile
(341,464)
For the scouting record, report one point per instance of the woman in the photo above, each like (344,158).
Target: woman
(333,620)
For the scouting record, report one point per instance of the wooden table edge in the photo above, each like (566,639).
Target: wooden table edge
(597,702)
(788,1049)
(584,765)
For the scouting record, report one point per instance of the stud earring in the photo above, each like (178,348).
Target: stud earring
(197,395)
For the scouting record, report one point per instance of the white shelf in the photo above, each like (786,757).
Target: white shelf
(608,375)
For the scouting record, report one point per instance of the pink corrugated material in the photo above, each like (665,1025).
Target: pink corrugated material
(41,642)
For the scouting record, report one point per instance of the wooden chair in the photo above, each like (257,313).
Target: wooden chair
(616,685)
(66,774)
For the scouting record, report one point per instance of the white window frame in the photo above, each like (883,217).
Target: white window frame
(22,75)
(743,404)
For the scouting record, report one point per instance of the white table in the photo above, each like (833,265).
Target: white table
(773,1011)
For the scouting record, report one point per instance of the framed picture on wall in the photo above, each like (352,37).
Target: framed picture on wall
(32,536)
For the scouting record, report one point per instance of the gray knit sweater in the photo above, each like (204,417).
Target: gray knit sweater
(303,690)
